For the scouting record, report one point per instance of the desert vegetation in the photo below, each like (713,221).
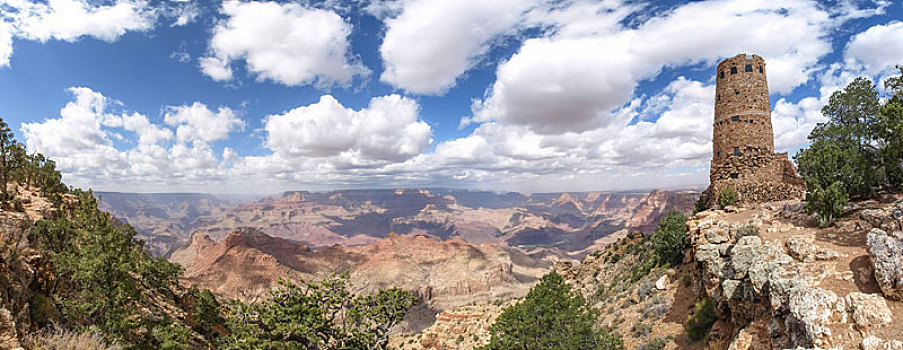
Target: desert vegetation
(551,317)
(97,287)
(858,152)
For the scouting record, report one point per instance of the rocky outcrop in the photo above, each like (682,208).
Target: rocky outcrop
(804,250)
(868,310)
(886,255)
(29,288)
(463,328)
(775,280)
(17,273)
(888,219)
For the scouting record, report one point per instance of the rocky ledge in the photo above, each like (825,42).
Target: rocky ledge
(783,284)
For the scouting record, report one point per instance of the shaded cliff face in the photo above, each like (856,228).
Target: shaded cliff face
(444,274)
(572,223)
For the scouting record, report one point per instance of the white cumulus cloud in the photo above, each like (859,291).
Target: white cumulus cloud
(433,42)
(70,20)
(81,141)
(587,72)
(879,48)
(6,43)
(76,140)
(286,43)
(197,122)
(74,20)
(389,129)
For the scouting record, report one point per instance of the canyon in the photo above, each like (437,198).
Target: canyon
(451,248)
(564,224)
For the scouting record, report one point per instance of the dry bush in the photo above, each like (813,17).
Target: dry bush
(60,339)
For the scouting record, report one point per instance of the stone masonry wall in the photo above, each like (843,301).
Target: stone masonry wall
(742,108)
(743,140)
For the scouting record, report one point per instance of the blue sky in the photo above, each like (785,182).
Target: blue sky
(525,95)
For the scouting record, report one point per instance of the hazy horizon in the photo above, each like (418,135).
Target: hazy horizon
(698,188)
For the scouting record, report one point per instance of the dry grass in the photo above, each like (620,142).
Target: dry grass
(60,339)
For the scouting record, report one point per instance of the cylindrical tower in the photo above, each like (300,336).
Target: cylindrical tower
(742,109)
(743,156)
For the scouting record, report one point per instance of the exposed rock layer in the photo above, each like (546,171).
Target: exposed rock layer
(569,223)
(444,274)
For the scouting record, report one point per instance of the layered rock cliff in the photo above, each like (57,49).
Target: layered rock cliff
(571,223)
(443,274)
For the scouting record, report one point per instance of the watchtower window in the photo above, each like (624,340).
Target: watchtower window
(719,154)
(722,74)
(736,151)
(748,68)
(733,70)
(735,118)
(719,97)
(735,175)
(736,92)
(760,70)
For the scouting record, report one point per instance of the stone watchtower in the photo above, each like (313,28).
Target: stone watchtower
(743,141)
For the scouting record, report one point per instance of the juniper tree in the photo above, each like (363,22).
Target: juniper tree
(551,317)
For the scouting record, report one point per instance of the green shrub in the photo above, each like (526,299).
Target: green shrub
(642,270)
(550,317)
(861,144)
(658,343)
(700,205)
(100,295)
(169,336)
(206,313)
(748,230)
(321,315)
(686,280)
(669,239)
(827,203)
(641,329)
(728,196)
(702,319)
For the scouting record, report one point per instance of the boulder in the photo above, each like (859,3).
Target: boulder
(717,235)
(874,343)
(662,283)
(888,219)
(747,251)
(805,250)
(812,312)
(707,253)
(868,309)
(886,256)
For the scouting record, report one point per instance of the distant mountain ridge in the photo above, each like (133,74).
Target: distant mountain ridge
(570,222)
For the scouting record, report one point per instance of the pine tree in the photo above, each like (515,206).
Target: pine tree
(6,141)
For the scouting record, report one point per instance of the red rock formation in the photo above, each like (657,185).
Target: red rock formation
(444,274)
